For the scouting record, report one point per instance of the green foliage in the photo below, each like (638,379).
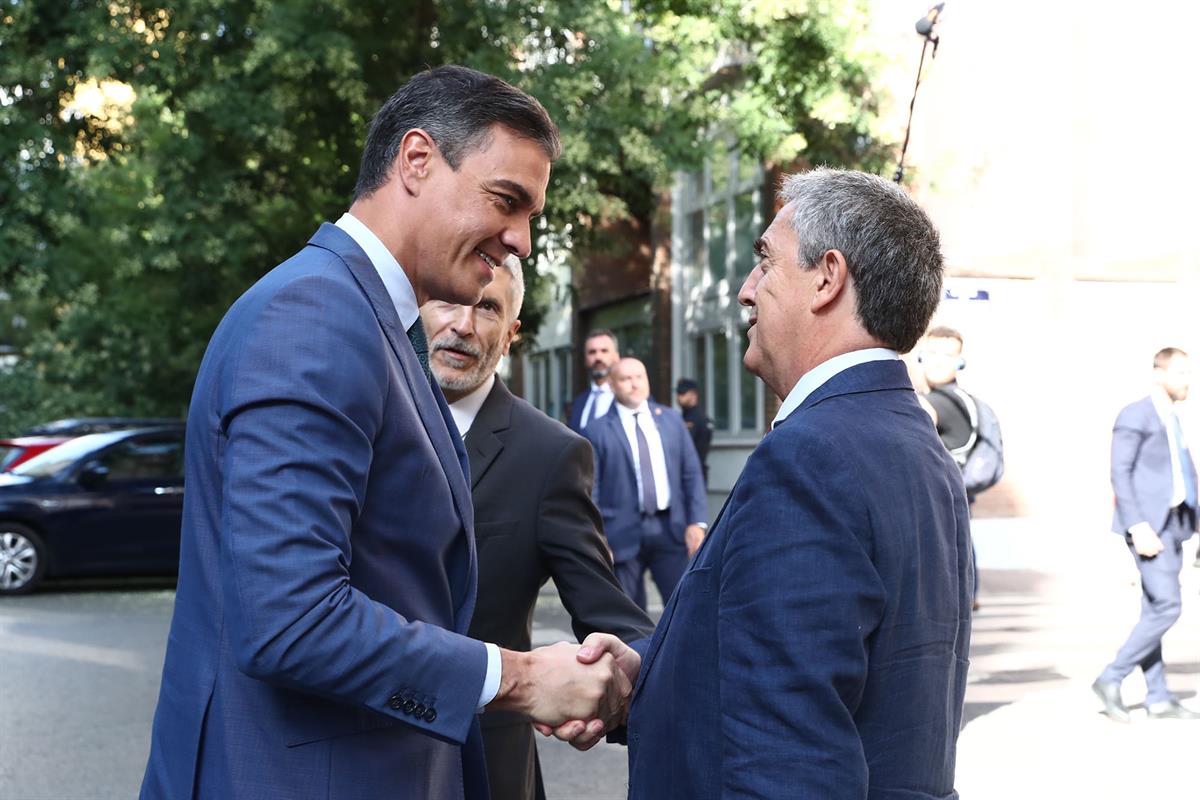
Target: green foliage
(128,228)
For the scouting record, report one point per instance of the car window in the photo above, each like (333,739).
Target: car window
(143,459)
(66,454)
(8,455)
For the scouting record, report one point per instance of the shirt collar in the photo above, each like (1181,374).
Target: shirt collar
(627,412)
(604,388)
(466,408)
(399,288)
(819,375)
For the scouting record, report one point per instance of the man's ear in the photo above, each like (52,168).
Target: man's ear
(414,160)
(511,337)
(831,276)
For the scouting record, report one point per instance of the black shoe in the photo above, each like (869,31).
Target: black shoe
(1170,709)
(1110,695)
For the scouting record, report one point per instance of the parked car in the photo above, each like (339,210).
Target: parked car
(21,449)
(105,503)
(81,426)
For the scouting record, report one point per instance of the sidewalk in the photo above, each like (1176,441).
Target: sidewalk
(1056,605)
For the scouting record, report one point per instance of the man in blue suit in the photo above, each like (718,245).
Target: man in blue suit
(1154,481)
(816,647)
(327,575)
(600,353)
(649,486)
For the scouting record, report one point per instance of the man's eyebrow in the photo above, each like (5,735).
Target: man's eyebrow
(761,248)
(522,195)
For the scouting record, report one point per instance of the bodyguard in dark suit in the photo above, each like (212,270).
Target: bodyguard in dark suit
(327,576)
(649,486)
(817,645)
(531,480)
(600,352)
(1154,481)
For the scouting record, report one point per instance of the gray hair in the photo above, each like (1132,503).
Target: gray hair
(457,107)
(516,289)
(891,247)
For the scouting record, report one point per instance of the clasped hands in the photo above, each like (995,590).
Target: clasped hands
(575,692)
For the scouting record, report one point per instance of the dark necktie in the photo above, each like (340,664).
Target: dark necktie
(416,335)
(649,492)
(1186,465)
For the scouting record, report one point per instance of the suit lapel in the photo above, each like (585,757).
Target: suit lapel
(483,445)
(431,407)
(664,622)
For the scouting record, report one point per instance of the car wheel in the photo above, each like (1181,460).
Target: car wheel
(22,559)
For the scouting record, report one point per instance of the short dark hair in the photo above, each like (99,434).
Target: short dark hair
(891,247)
(592,334)
(457,107)
(944,332)
(1162,359)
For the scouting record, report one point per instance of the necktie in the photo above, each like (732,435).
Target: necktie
(594,409)
(1186,466)
(416,335)
(649,492)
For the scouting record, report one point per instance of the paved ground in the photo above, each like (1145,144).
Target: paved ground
(79,670)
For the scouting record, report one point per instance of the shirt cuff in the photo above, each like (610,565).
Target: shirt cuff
(491,681)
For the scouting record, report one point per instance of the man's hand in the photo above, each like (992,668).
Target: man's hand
(584,735)
(693,537)
(1145,541)
(552,686)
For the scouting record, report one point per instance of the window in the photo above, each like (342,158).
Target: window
(720,212)
(145,459)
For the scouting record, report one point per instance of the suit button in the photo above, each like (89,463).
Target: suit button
(409,705)
(395,701)
(430,714)
(419,711)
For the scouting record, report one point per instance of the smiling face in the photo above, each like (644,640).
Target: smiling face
(779,292)
(467,341)
(475,216)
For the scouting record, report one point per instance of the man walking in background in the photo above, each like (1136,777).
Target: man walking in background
(600,352)
(531,482)
(1154,481)
(648,485)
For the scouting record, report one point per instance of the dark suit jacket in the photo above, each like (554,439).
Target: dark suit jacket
(327,575)
(577,409)
(616,489)
(532,481)
(817,645)
(1141,468)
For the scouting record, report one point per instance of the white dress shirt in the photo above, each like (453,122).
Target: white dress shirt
(1165,408)
(400,289)
(602,397)
(466,408)
(819,375)
(658,457)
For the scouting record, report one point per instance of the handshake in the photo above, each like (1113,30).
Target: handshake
(576,692)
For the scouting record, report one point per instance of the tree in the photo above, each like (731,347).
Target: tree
(167,157)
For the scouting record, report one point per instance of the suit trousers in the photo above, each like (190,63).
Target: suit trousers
(1161,606)
(660,553)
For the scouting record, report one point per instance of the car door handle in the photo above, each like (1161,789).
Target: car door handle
(166,490)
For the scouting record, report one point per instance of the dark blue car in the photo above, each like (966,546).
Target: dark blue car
(103,504)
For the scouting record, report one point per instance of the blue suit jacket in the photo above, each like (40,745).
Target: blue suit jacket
(817,645)
(1142,479)
(577,410)
(327,572)
(615,489)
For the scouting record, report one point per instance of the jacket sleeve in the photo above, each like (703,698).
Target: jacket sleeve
(574,552)
(800,599)
(1128,438)
(305,399)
